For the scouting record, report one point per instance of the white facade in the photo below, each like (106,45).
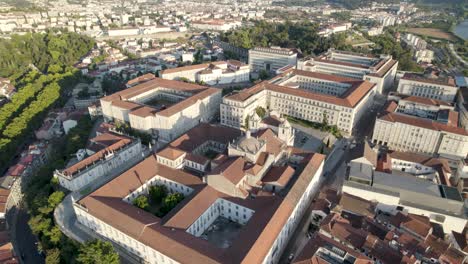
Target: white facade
(424,55)
(290,212)
(271,59)
(224,208)
(425,87)
(115,161)
(123,32)
(379,70)
(215,25)
(450,223)
(125,241)
(295,217)
(211,73)
(412,137)
(234,112)
(166,125)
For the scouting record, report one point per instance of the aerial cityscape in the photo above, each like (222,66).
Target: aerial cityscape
(233,131)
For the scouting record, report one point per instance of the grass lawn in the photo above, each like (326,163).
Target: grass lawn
(433,33)
(355,39)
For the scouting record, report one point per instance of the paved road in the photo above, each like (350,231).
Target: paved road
(26,241)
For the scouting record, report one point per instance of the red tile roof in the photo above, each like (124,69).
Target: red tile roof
(168,235)
(122,99)
(448,81)
(119,142)
(350,98)
(423,123)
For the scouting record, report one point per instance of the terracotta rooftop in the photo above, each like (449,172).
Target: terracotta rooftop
(423,123)
(118,142)
(308,252)
(141,79)
(123,99)
(350,98)
(280,175)
(170,153)
(357,205)
(203,133)
(448,81)
(191,67)
(424,100)
(168,235)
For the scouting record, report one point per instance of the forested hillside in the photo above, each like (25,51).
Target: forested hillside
(40,66)
(48,52)
(303,35)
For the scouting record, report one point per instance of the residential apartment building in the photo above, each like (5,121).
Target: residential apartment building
(311,96)
(235,194)
(424,55)
(163,108)
(439,135)
(379,70)
(108,154)
(440,88)
(220,72)
(271,59)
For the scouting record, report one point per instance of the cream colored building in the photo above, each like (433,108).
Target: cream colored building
(379,70)
(271,59)
(411,133)
(163,108)
(117,153)
(219,72)
(310,96)
(430,87)
(215,24)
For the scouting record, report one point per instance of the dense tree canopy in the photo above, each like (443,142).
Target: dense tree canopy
(40,66)
(302,35)
(97,252)
(386,44)
(47,52)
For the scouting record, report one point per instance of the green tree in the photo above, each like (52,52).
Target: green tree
(52,256)
(55,198)
(263,75)
(173,199)
(54,235)
(97,252)
(39,224)
(157,193)
(261,112)
(141,202)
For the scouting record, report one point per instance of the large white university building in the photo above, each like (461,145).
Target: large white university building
(379,70)
(430,87)
(163,108)
(413,126)
(249,198)
(219,72)
(310,96)
(271,59)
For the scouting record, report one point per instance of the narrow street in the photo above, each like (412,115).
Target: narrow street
(25,240)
